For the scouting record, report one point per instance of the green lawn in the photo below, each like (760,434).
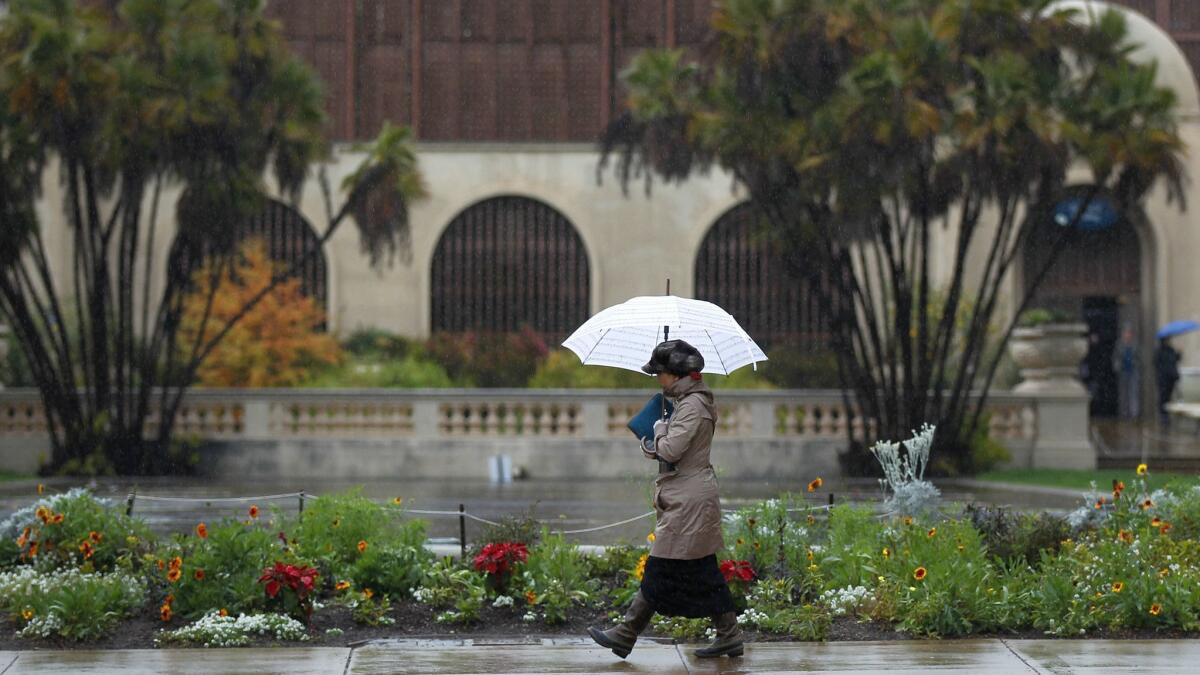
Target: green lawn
(6,476)
(1078,479)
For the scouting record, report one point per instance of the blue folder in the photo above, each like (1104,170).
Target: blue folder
(642,424)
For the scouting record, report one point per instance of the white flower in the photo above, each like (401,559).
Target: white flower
(529,616)
(503,601)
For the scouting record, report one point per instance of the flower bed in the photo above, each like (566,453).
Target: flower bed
(75,570)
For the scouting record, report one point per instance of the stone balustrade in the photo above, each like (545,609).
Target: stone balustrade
(518,421)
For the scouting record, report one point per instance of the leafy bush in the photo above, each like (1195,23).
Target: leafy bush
(774,607)
(77,529)
(523,529)
(68,603)
(379,345)
(219,570)
(348,536)
(562,369)
(556,577)
(460,591)
(489,359)
(408,372)
(215,630)
(1017,538)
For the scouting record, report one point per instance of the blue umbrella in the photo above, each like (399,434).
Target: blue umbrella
(1177,328)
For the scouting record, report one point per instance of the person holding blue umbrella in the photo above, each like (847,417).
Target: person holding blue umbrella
(1166,364)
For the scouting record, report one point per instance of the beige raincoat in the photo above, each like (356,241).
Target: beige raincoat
(686,501)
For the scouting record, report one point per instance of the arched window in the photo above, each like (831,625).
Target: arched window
(507,263)
(738,269)
(288,237)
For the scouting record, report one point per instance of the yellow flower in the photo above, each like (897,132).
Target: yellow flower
(531,597)
(1118,586)
(341,586)
(908,520)
(810,554)
(1155,521)
(640,570)
(961,548)
(41,489)
(932,532)
(740,541)
(887,553)
(650,537)
(368,593)
(1155,609)
(223,612)
(919,574)
(1147,504)
(397,501)
(812,520)
(42,513)
(27,614)
(1164,572)
(1142,469)
(337,521)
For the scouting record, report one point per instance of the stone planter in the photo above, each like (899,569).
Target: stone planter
(1049,357)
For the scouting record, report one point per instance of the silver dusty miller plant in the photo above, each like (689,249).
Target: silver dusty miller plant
(904,474)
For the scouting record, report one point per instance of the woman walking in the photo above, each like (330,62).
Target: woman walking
(681,576)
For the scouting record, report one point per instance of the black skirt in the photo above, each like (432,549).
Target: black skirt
(688,588)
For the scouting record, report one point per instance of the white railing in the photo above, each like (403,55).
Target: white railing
(229,414)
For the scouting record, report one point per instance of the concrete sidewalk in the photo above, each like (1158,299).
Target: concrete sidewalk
(979,657)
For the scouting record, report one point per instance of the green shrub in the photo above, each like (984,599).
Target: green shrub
(523,529)
(562,369)
(220,570)
(764,535)
(774,606)
(489,359)
(459,591)
(76,529)
(350,537)
(855,544)
(1017,538)
(407,372)
(379,345)
(68,603)
(557,576)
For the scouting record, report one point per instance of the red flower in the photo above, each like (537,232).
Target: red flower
(498,558)
(272,588)
(737,569)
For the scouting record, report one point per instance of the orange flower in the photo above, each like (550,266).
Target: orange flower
(908,520)
(170,598)
(21,541)
(1155,609)
(362,545)
(223,612)
(932,532)
(165,613)
(812,520)
(86,549)
(33,549)
(161,565)
(176,562)
(27,614)
(341,586)
(42,513)
(57,519)
(368,593)
(174,575)
(202,531)
(1155,521)
(41,488)
(1100,503)
(1147,504)
(1118,586)
(253,510)
(919,574)
(1125,536)
(531,597)
(1166,527)
(815,484)
(198,575)
(95,536)
(1164,572)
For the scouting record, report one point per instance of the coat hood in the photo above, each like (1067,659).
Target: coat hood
(686,386)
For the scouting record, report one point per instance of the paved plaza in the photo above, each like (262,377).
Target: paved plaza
(979,657)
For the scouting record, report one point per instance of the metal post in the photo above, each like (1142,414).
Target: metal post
(301,496)
(129,504)
(462,530)
(831,499)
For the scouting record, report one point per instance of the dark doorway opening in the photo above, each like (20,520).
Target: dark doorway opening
(1102,316)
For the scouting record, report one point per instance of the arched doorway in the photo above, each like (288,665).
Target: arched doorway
(508,263)
(1099,279)
(739,269)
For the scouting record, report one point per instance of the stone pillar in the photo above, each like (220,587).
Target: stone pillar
(594,416)
(763,423)
(257,420)
(1063,439)
(425,419)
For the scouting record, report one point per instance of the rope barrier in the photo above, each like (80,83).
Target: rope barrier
(263,498)
(605,527)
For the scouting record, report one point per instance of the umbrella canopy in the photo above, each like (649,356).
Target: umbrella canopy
(624,335)
(1177,328)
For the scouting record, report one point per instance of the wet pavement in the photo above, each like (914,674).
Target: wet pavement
(444,657)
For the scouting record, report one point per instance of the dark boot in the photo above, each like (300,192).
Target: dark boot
(620,639)
(729,638)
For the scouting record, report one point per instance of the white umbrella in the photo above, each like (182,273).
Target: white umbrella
(624,335)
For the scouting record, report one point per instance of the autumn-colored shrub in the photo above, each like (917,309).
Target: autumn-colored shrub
(278,343)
